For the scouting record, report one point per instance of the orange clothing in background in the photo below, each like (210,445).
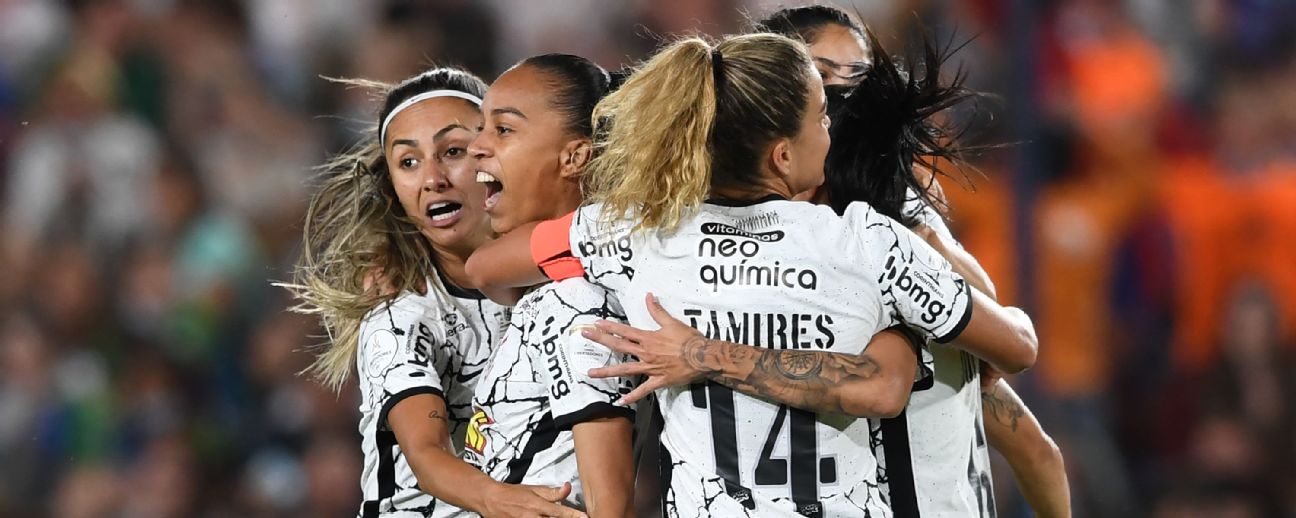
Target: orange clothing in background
(982,220)
(1078,225)
(1114,80)
(1206,215)
(1270,237)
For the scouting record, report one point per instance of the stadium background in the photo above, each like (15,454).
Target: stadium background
(155,156)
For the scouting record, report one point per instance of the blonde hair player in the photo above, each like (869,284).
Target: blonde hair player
(386,238)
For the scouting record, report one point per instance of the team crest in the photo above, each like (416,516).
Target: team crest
(476,440)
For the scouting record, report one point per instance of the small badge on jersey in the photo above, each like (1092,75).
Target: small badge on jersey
(381,348)
(475,439)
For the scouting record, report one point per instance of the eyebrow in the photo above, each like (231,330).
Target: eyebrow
(442,132)
(508,109)
(406,141)
(834,64)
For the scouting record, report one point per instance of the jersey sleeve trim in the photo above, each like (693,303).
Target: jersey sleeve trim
(963,320)
(592,411)
(551,249)
(916,342)
(401,396)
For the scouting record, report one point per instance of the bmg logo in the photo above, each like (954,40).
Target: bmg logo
(619,248)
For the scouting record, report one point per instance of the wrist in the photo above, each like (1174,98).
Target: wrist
(699,355)
(490,492)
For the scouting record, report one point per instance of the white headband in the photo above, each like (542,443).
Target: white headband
(382,130)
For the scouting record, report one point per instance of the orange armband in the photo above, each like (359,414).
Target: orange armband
(551,249)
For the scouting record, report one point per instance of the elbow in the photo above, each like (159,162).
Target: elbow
(1047,453)
(892,406)
(881,402)
(1027,350)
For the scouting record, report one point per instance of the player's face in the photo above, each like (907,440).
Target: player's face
(520,151)
(809,148)
(841,57)
(427,154)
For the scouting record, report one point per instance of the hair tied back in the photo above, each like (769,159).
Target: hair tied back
(717,69)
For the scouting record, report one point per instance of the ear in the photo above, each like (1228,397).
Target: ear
(780,157)
(575,156)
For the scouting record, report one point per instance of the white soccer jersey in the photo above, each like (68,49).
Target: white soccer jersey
(437,343)
(933,458)
(536,388)
(781,275)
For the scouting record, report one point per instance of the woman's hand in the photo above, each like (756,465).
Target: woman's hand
(523,501)
(669,356)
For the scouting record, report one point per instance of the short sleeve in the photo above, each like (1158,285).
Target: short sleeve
(914,281)
(565,357)
(924,375)
(604,248)
(399,355)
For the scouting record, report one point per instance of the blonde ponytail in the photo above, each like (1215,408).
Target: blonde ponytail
(654,164)
(669,136)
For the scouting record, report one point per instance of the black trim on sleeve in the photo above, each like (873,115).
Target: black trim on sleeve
(915,338)
(541,439)
(918,343)
(597,410)
(400,396)
(963,321)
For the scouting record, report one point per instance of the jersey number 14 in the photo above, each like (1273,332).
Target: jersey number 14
(801,472)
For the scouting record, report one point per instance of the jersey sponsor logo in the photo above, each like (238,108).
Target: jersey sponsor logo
(759,275)
(422,345)
(917,286)
(768,330)
(453,326)
(743,245)
(619,248)
(721,229)
(556,362)
(475,440)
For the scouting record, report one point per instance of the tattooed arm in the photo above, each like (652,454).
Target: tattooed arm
(1035,460)
(875,383)
(423,433)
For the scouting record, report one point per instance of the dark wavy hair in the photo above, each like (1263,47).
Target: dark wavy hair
(578,84)
(805,22)
(887,123)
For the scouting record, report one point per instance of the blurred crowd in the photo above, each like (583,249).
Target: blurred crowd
(156,155)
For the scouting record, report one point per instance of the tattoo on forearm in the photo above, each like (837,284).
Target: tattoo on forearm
(1004,409)
(801,379)
(436,415)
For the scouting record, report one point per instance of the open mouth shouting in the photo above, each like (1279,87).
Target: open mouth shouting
(493,188)
(443,214)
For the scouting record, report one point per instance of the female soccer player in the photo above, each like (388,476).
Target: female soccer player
(539,418)
(386,238)
(836,40)
(879,132)
(744,124)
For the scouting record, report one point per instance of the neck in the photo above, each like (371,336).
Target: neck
(566,200)
(451,262)
(766,186)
